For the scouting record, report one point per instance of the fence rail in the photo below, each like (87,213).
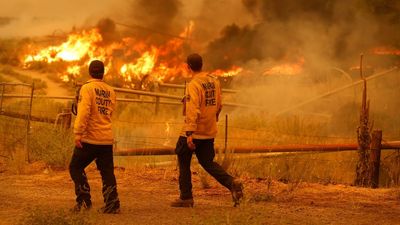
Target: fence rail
(180,86)
(261,149)
(144,93)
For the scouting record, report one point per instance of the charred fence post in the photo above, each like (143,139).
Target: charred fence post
(363,177)
(376,145)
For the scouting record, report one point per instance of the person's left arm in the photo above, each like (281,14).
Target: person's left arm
(193,102)
(82,117)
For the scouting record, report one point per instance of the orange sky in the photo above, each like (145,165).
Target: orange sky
(43,17)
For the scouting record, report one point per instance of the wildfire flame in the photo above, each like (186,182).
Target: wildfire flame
(74,49)
(143,65)
(128,59)
(230,73)
(386,51)
(286,68)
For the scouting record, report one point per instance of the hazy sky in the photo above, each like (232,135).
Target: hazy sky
(38,17)
(41,17)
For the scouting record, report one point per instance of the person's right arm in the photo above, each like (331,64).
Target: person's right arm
(219,97)
(192,107)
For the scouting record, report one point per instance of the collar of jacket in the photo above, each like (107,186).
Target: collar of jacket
(200,74)
(94,80)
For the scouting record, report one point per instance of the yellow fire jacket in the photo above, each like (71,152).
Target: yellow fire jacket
(202,106)
(96,105)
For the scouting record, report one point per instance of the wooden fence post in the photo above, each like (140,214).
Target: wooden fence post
(363,177)
(66,119)
(226,162)
(226,134)
(28,125)
(2,97)
(157,105)
(375,159)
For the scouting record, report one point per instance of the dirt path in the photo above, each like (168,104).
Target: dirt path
(53,88)
(146,193)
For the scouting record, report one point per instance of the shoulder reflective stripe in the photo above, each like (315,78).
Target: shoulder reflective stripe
(212,76)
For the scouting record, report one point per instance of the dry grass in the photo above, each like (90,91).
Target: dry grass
(39,84)
(55,152)
(39,216)
(145,196)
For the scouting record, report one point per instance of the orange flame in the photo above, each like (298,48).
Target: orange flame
(235,70)
(386,51)
(286,68)
(74,49)
(74,70)
(129,59)
(144,65)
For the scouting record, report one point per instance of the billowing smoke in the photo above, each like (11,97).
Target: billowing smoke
(4,21)
(156,18)
(323,35)
(323,32)
(107,29)
(253,34)
(236,45)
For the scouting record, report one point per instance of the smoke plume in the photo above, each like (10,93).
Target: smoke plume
(156,17)
(330,31)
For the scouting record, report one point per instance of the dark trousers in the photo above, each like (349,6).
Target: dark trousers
(81,158)
(205,154)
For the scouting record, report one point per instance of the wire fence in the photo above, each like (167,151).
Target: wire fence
(14,132)
(153,131)
(135,130)
(159,131)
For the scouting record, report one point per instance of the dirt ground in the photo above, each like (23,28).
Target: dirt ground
(145,195)
(53,88)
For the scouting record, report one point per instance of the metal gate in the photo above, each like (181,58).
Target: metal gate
(15,115)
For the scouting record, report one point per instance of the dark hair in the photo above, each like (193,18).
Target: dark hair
(195,62)
(96,69)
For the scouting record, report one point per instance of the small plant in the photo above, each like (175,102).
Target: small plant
(204,179)
(265,197)
(391,168)
(18,161)
(396,193)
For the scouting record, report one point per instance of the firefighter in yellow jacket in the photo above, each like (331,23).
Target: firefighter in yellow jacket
(202,105)
(94,140)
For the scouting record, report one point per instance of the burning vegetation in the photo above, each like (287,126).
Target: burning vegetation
(267,38)
(127,59)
